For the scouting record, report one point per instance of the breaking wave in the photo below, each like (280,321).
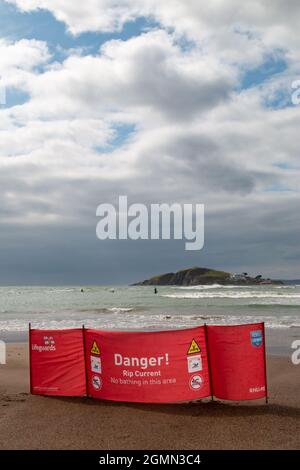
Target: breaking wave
(231,295)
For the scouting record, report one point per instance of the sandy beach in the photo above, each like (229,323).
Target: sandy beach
(36,422)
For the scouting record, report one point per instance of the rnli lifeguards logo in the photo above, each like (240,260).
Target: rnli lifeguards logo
(256,338)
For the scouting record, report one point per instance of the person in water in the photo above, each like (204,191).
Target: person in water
(155,290)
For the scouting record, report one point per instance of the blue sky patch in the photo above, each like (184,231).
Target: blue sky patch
(122,135)
(15,97)
(279,100)
(41,25)
(278,188)
(282,165)
(273,65)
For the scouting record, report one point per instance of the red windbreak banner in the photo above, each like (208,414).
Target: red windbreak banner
(153,367)
(237,361)
(57,362)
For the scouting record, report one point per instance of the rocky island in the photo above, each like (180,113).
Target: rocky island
(205,276)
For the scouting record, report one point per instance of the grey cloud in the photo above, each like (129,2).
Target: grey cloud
(196,140)
(147,76)
(236,239)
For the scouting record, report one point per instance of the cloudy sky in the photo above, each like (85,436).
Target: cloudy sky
(174,101)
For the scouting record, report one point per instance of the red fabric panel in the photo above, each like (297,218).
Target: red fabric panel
(57,362)
(147,366)
(237,360)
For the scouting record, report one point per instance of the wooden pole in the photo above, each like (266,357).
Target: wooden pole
(265,359)
(209,363)
(30,364)
(85,362)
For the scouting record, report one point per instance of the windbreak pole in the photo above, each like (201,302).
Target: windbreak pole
(30,367)
(209,363)
(85,361)
(265,356)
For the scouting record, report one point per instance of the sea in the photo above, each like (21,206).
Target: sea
(139,308)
